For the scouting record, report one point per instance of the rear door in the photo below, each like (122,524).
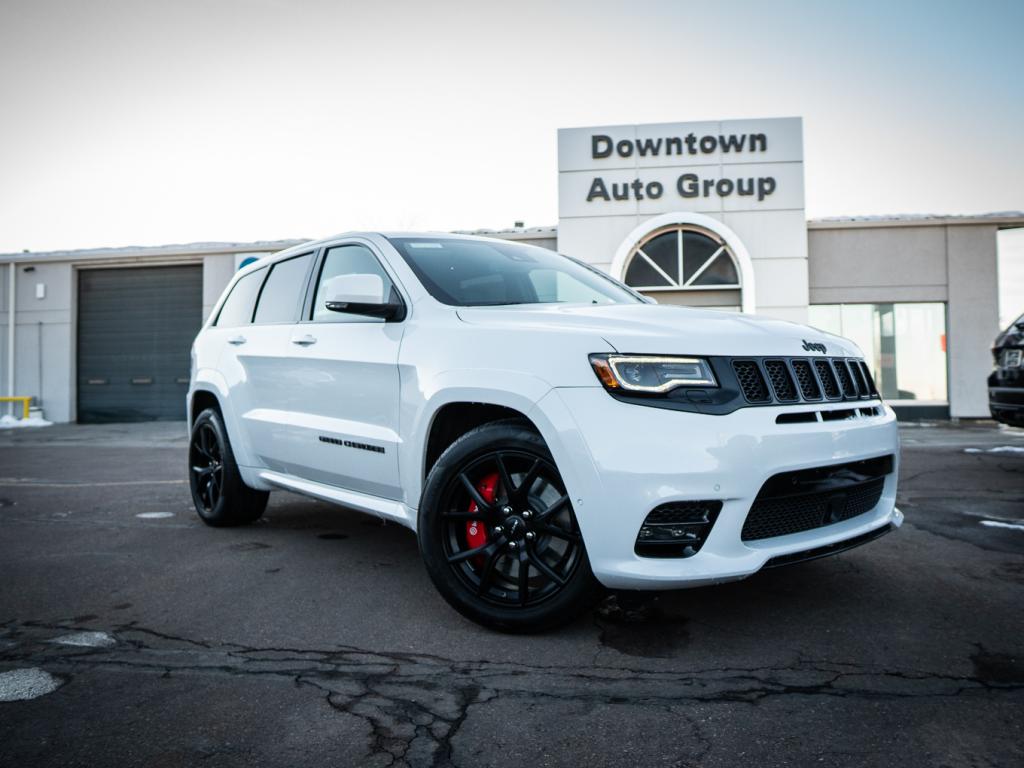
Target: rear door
(256,349)
(344,385)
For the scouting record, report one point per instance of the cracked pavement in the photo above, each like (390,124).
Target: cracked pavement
(314,636)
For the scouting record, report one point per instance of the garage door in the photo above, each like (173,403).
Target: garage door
(135,329)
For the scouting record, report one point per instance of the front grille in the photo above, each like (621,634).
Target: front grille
(858,377)
(808,382)
(801,501)
(869,380)
(845,380)
(827,376)
(751,381)
(768,381)
(782,382)
(677,529)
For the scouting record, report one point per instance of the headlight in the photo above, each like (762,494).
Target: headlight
(651,373)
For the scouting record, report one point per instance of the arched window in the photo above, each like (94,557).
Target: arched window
(681,258)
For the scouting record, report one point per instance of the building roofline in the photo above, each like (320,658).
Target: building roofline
(185,250)
(136,251)
(518,233)
(1000,219)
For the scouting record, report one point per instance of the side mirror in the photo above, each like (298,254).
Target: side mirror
(362,295)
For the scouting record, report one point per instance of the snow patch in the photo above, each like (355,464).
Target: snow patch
(86,640)
(1001,524)
(25,684)
(9,422)
(154,515)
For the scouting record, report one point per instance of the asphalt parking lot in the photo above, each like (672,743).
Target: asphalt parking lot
(315,638)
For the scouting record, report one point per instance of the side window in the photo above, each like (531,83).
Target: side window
(279,299)
(346,260)
(237,309)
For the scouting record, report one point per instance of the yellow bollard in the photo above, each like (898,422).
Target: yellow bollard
(24,402)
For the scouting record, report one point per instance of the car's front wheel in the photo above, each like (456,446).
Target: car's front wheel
(498,533)
(220,496)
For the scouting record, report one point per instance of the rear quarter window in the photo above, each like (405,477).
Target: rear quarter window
(239,305)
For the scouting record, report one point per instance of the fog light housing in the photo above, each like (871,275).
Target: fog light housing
(677,529)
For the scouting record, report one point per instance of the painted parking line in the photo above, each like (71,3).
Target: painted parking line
(997,449)
(86,640)
(1001,524)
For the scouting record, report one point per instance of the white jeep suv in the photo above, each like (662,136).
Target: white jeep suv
(543,428)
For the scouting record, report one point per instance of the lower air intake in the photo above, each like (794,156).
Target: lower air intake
(792,502)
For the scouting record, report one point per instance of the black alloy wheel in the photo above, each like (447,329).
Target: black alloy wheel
(532,542)
(219,494)
(206,462)
(498,532)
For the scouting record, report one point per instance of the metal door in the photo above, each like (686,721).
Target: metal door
(135,329)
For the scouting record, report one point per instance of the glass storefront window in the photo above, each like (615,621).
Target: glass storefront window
(905,344)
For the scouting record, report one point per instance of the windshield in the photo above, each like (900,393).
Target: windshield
(481,273)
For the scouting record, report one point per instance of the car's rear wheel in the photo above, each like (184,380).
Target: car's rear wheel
(499,535)
(220,496)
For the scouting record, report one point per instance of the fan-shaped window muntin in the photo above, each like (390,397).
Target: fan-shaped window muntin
(681,258)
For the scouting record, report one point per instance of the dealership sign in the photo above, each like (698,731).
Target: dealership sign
(688,185)
(708,166)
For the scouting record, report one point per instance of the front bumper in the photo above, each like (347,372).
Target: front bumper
(619,461)
(1006,404)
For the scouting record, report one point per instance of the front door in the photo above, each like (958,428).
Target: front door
(345,387)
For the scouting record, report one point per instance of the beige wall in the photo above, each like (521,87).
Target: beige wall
(955,264)
(879,264)
(972,317)
(218,269)
(43,335)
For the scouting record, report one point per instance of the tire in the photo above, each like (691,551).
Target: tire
(476,537)
(219,495)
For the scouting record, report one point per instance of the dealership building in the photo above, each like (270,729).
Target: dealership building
(707,214)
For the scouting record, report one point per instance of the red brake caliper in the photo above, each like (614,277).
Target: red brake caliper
(476,531)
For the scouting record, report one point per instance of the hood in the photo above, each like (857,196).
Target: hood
(665,329)
(1011,338)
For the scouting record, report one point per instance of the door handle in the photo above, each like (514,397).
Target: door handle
(304,341)
(236,340)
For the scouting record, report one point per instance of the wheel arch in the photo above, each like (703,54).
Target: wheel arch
(454,419)
(456,403)
(210,390)
(199,401)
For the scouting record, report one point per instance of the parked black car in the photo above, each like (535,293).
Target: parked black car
(1006,383)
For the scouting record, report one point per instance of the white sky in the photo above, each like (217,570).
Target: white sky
(136,122)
